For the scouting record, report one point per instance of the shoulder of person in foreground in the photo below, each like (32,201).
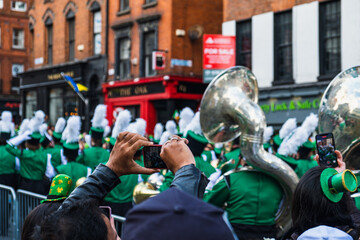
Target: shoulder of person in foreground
(175,214)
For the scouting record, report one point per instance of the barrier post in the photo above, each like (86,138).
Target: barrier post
(7,212)
(118,220)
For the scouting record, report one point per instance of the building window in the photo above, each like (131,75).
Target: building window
(56,105)
(1,4)
(243,43)
(16,69)
(149,46)
(124,58)
(18,6)
(18,39)
(330,45)
(71,103)
(149,1)
(71,38)
(283,47)
(124,5)
(49,30)
(30,104)
(97,32)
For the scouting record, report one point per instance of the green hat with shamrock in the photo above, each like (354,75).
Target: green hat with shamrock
(59,189)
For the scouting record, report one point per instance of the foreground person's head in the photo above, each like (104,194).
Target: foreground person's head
(311,207)
(80,220)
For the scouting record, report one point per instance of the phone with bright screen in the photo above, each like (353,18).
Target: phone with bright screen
(325,146)
(152,157)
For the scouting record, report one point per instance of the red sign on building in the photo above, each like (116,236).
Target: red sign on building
(158,58)
(219,54)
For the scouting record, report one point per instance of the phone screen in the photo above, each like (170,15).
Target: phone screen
(325,145)
(152,157)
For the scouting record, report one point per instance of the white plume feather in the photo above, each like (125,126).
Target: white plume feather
(60,125)
(43,128)
(185,118)
(158,130)
(107,130)
(141,126)
(287,128)
(299,136)
(122,122)
(6,123)
(171,127)
(164,137)
(6,116)
(72,130)
(99,115)
(36,121)
(132,128)
(269,131)
(194,125)
(24,126)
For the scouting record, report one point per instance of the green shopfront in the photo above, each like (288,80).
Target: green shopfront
(280,103)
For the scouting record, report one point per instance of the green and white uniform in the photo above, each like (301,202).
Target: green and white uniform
(252,199)
(92,157)
(55,154)
(7,168)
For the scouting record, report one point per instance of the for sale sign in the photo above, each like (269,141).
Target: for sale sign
(219,54)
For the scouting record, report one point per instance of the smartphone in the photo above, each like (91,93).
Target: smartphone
(325,146)
(106,211)
(152,157)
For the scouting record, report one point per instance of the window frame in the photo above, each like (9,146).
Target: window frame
(71,38)
(124,8)
(126,61)
(239,51)
(96,33)
(328,74)
(281,44)
(49,41)
(16,8)
(22,40)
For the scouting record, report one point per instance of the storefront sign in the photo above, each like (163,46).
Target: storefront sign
(219,53)
(191,88)
(57,76)
(290,105)
(158,58)
(181,63)
(136,90)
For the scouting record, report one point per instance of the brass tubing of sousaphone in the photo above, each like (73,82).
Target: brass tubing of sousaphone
(227,111)
(339,112)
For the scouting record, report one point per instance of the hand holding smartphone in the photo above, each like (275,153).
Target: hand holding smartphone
(325,146)
(152,157)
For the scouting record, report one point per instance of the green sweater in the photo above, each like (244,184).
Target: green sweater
(123,192)
(33,163)
(253,198)
(74,170)
(303,165)
(92,157)
(7,162)
(202,165)
(55,155)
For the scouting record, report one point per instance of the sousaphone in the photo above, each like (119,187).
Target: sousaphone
(229,110)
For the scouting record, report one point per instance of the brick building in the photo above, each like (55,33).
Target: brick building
(69,37)
(294,48)
(175,29)
(14,52)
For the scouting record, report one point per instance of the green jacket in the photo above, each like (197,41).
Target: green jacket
(252,198)
(55,154)
(202,165)
(75,171)
(92,157)
(303,165)
(33,163)
(7,162)
(123,192)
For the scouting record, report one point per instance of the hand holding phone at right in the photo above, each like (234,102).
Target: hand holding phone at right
(176,154)
(341,164)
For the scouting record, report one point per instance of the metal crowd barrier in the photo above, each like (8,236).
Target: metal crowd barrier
(7,212)
(15,207)
(25,202)
(119,226)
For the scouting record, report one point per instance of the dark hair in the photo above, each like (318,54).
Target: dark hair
(96,142)
(77,221)
(311,208)
(304,152)
(36,216)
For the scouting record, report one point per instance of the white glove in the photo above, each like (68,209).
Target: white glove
(15,141)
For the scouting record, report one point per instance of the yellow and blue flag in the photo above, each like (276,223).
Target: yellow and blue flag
(76,86)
